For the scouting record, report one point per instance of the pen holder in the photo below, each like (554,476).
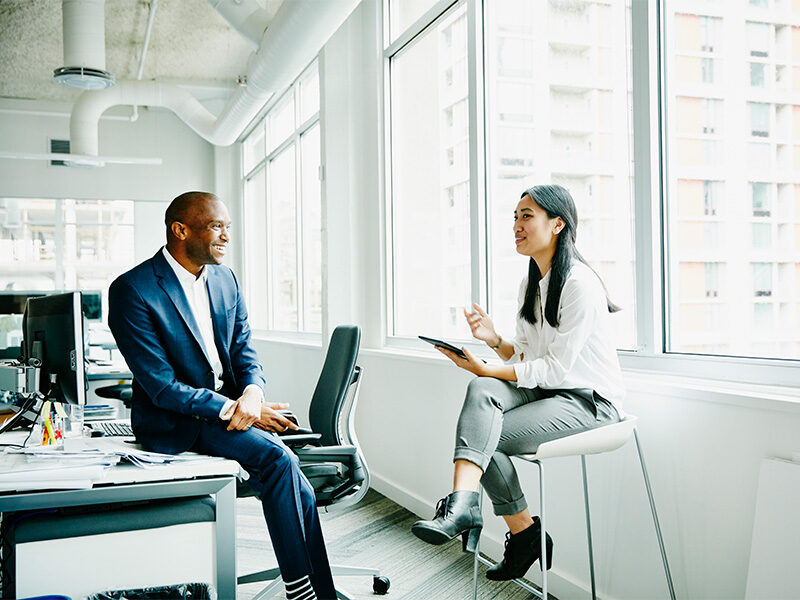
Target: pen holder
(52,431)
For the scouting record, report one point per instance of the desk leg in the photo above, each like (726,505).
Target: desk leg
(226,540)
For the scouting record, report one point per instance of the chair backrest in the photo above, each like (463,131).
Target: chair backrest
(334,381)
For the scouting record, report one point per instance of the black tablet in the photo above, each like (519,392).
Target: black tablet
(443,344)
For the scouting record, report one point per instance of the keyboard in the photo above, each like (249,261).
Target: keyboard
(113,428)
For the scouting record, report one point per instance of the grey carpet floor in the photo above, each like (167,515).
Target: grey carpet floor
(375,533)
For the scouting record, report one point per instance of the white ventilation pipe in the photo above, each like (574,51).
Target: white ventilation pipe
(84,33)
(295,36)
(83,23)
(245,16)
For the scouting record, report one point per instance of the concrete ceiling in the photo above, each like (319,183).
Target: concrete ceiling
(190,42)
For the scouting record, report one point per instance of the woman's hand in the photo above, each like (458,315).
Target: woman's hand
(481,326)
(471,364)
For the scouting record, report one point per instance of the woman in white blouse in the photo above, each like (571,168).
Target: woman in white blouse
(561,376)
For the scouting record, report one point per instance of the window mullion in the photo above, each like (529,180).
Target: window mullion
(298,207)
(477,164)
(647,176)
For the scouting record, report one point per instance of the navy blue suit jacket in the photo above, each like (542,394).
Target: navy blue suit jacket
(173,382)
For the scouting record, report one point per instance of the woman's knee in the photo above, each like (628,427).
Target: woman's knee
(482,390)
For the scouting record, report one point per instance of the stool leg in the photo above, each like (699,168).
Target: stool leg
(655,516)
(543,555)
(477,551)
(588,524)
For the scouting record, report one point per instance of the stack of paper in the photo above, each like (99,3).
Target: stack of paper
(45,475)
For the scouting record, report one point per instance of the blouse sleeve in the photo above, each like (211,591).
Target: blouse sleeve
(520,341)
(580,306)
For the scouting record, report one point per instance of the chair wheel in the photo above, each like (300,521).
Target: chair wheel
(380,585)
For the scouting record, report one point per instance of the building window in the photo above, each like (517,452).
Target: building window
(759,119)
(712,279)
(707,70)
(758,74)
(760,195)
(709,198)
(758,39)
(762,235)
(282,212)
(762,279)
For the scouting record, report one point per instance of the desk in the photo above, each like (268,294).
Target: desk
(126,482)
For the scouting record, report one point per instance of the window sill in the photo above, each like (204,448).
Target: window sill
(647,382)
(301,340)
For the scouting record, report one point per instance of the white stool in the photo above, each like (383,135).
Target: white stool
(594,441)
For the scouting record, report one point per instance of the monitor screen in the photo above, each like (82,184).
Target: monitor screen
(92,305)
(13,302)
(53,333)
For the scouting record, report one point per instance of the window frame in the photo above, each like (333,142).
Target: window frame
(294,142)
(650,121)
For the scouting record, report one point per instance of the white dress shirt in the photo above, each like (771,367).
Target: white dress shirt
(580,352)
(196,292)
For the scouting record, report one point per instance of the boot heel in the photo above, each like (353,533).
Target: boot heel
(549,558)
(469,539)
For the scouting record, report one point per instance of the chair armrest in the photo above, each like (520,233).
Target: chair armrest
(302,438)
(343,454)
(298,431)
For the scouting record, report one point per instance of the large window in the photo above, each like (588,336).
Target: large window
(558,101)
(556,109)
(430,181)
(756,183)
(282,212)
(487,98)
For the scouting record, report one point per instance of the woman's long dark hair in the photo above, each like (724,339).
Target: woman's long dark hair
(556,201)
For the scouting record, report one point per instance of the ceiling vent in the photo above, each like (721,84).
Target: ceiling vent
(59,147)
(84,46)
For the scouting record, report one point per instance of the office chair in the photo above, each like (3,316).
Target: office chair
(119,391)
(330,456)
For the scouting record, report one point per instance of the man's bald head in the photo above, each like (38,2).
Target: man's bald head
(186,207)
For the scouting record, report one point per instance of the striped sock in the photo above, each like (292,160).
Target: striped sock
(299,589)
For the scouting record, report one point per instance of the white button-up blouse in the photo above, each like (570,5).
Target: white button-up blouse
(580,352)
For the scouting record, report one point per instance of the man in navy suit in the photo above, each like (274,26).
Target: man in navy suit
(180,321)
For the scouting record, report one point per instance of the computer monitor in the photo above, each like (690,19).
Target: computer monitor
(12,302)
(53,334)
(92,304)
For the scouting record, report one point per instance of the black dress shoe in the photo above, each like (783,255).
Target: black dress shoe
(458,513)
(522,550)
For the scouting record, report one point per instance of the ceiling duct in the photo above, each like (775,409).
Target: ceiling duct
(84,67)
(295,36)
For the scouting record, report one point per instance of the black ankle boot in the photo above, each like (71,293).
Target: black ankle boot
(458,513)
(522,550)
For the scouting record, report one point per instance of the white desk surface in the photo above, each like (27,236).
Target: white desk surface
(123,473)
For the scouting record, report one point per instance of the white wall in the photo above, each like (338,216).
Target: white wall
(702,445)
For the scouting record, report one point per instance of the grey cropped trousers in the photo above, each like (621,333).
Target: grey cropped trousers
(499,420)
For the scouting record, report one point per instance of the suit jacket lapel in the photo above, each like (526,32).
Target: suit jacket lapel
(219,315)
(170,284)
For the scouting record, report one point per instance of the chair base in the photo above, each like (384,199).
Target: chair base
(275,585)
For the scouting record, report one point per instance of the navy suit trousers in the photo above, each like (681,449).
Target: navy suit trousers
(286,496)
